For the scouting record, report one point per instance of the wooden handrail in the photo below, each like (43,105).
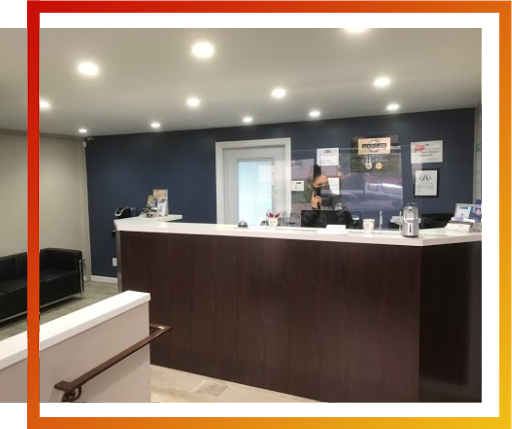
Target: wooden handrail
(73,389)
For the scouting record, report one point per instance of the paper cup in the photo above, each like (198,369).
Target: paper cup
(368,225)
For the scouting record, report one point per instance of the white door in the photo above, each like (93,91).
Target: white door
(254,179)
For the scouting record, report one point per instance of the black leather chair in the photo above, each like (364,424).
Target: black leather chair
(60,278)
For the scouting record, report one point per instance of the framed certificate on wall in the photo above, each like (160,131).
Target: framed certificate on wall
(426,183)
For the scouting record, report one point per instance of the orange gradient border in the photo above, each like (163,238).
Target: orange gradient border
(34,8)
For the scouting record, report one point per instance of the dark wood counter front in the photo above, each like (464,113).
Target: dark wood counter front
(336,322)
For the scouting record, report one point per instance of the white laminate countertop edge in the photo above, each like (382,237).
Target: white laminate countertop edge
(13,350)
(137,220)
(430,237)
(79,321)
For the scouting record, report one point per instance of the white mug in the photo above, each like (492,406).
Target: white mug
(368,225)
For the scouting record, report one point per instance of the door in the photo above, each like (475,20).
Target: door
(254,180)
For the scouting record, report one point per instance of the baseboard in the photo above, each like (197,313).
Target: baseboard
(104,279)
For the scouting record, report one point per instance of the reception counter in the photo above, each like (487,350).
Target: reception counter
(334,317)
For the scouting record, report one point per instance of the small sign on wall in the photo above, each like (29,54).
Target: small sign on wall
(426,152)
(426,183)
(328,156)
(374,146)
(334,184)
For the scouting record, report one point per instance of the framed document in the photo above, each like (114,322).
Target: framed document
(426,183)
(328,156)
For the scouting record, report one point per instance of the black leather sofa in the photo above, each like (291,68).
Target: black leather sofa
(60,277)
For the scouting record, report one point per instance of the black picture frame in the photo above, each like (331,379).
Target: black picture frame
(432,172)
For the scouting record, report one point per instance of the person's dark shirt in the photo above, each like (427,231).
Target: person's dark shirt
(332,212)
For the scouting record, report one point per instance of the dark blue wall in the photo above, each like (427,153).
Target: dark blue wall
(124,169)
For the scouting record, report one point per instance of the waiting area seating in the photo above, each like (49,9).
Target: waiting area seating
(60,278)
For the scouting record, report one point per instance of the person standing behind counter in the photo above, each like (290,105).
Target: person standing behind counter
(326,207)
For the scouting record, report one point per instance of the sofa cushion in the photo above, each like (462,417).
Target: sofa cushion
(15,289)
(20,262)
(44,262)
(52,279)
(4,299)
(7,268)
(60,259)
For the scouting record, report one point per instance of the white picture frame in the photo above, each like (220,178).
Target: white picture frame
(426,183)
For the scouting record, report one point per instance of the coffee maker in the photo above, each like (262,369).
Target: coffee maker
(410,222)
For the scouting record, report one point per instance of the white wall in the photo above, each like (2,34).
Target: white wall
(13,383)
(63,209)
(13,368)
(13,193)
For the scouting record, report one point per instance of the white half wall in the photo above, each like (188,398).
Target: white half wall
(74,344)
(13,369)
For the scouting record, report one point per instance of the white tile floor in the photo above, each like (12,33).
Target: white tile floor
(170,385)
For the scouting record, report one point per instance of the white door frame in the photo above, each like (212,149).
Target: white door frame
(286,142)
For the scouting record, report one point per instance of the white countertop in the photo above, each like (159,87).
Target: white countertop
(138,220)
(13,350)
(79,321)
(428,237)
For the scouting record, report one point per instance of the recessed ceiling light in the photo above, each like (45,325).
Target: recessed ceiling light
(247,119)
(193,102)
(356,30)
(82,130)
(278,92)
(393,106)
(314,113)
(44,105)
(155,125)
(203,50)
(88,69)
(382,81)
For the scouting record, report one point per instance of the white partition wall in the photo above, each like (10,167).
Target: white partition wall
(78,342)
(13,369)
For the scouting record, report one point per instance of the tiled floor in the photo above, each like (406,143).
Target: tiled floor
(170,385)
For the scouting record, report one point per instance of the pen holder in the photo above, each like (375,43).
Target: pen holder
(272,222)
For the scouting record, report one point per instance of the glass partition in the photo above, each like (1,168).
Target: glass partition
(366,185)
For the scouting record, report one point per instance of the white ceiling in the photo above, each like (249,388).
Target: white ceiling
(13,78)
(147,74)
